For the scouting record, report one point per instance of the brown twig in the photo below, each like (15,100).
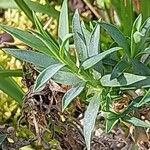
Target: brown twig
(92,9)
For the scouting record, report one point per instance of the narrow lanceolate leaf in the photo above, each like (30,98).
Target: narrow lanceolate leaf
(11,73)
(111,121)
(137,122)
(46,75)
(145,99)
(24,7)
(94,41)
(140,68)
(64,45)
(90,118)
(124,80)
(2,138)
(79,43)
(117,35)
(49,43)
(27,38)
(44,9)
(71,94)
(36,58)
(70,79)
(145,32)
(63,28)
(11,88)
(95,59)
(119,69)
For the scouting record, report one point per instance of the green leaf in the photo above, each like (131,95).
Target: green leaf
(136,122)
(95,59)
(11,88)
(7,4)
(145,33)
(70,79)
(135,35)
(32,57)
(46,75)
(2,138)
(63,28)
(44,9)
(111,121)
(124,80)
(27,38)
(145,99)
(86,34)
(24,7)
(140,68)
(94,41)
(71,94)
(49,44)
(79,43)
(119,69)
(11,73)
(43,31)
(117,35)
(90,118)
(64,44)
(140,84)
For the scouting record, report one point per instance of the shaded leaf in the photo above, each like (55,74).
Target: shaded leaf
(140,68)
(90,118)
(2,138)
(71,94)
(119,69)
(117,35)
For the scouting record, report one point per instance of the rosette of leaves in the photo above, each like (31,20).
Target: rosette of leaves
(91,68)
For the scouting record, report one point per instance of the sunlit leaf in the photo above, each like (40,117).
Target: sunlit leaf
(71,94)
(111,121)
(145,99)
(79,43)
(46,75)
(137,122)
(28,38)
(63,28)
(32,57)
(95,59)
(94,41)
(90,118)
(124,80)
